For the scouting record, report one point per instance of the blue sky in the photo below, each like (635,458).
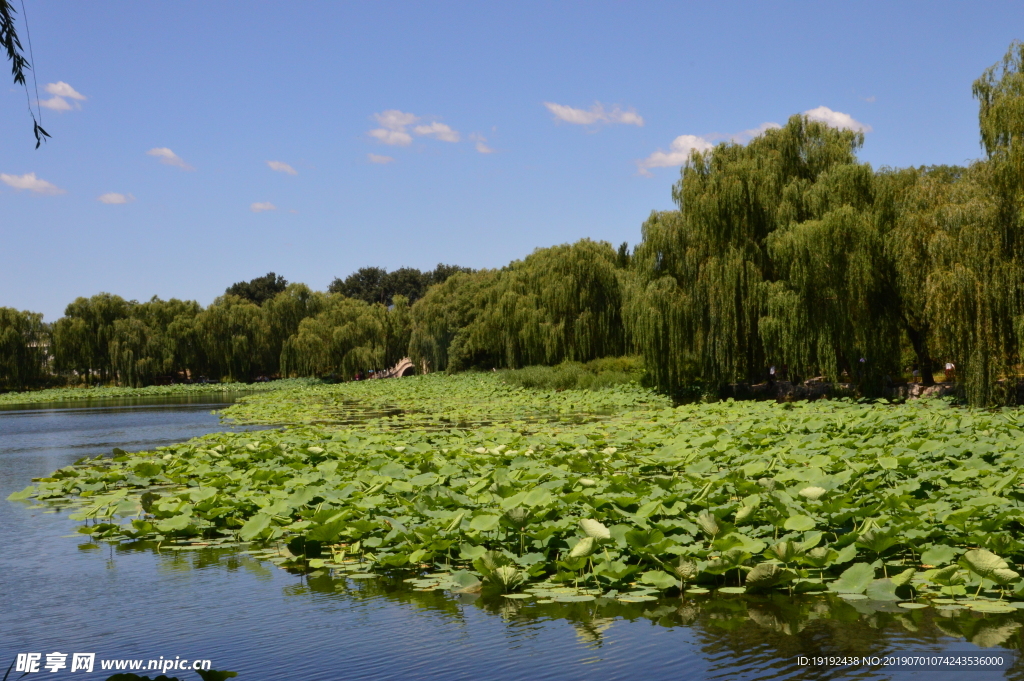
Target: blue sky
(407,134)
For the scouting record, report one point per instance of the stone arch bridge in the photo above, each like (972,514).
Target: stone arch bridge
(405,367)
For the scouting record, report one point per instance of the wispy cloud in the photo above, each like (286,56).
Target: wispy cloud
(168,157)
(56,104)
(261,206)
(381,160)
(392,127)
(481,143)
(114,198)
(678,153)
(60,90)
(282,167)
(594,115)
(30,182)
(836,119)
(438,131)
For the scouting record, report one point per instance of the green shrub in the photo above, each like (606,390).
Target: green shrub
(594,375)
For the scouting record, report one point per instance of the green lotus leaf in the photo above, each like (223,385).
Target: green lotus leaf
(767,576)
(595,529)
(812,493)
(882,590)
(988,565)
(799,523)
(658,579)
(854,580)
(484,522)
(938,554)
(584,547)
(470,552)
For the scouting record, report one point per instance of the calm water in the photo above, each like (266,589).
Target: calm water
(60,593)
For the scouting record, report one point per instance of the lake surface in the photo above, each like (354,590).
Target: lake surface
(60,593)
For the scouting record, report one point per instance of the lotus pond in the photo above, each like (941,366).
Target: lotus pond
(593,506)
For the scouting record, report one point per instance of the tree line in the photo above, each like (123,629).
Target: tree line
(786,251)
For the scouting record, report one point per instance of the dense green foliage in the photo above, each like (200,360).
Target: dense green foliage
(594,375)
(786,251)
(895,501)
(560,303)
(260,289)
(22,355)
(377,285)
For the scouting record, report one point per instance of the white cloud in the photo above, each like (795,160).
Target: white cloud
(282,167)
(438,131)
(56,104)
(393,124)
(393,119)
(750,134)
(30,182)
(259,207)
(836,119)
(396,138)
(377,158)
(593,115)
(168,157)
(481,143)
(681,147)
(678,153)
(394,131)
(115,198)
(62,89)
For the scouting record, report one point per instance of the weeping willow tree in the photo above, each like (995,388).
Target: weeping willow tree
(23,347)
(986,288)
(441,318)
(141,348)
(284,313)
(81,338)
(235,337)
(770,259)
(559,303)
(347,337)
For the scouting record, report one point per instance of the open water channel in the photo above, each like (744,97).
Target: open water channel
(61,593)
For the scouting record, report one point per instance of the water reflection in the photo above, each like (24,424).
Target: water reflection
(738,636)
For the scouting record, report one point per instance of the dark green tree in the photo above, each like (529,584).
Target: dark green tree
(260,289)
(367,284)
(23,347)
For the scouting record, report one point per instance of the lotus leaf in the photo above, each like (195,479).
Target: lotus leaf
(989,566)
(882,590)
(854,580)
(767,576)
(584,547)
(938,555)
(812,493)
(596,529)
(658,579)
(484,522)
(799,523)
